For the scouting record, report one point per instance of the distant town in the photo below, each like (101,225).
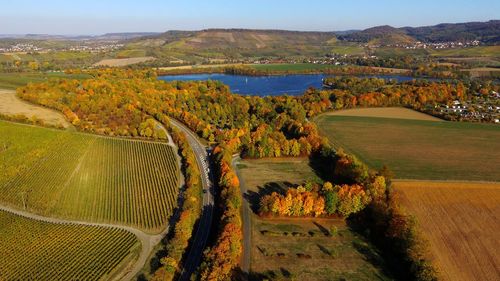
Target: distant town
(480,108)
(83,46)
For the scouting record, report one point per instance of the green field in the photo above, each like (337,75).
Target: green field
(14,80)
(35,250)
(292,67)
(85,177)
(479,51)
(418,149)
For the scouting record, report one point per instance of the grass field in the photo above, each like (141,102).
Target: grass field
(11,105)
(15,80)
(461,222)
(313,249)
(85,177)
(35,250)
(274,175)
(418,149)
(479,51)
(385,112)
(123,62)
(302,249)
(292,67)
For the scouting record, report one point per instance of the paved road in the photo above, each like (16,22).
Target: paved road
(201,236)
(247,222)
(147,241)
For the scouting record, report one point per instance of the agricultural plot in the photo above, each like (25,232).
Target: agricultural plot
(12,105)
(313,249)
(123,62)
(418,149)
(461,222)
(302,248)
(90,178)
(292,67)
(35,250)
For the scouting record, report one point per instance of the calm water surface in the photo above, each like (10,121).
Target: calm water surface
(294,84)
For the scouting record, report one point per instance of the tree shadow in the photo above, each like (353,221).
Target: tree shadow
(253,197)
(325,231)
(324,250)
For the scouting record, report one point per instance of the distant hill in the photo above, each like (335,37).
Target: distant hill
(380,35)
(235,43)
(486,32)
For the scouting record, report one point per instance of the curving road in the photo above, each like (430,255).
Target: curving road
(147,241)
(200,238)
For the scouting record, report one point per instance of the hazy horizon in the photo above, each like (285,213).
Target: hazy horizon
(99,17)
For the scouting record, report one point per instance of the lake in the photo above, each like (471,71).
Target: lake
(293,84)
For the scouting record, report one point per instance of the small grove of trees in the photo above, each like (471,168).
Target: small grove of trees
(223,257)
(329,200)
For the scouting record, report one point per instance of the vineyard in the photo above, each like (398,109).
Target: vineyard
(84,177)
(35,250)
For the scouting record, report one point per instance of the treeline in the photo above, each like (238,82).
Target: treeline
(223,257)
(190,210)
(33,120)
(392,230)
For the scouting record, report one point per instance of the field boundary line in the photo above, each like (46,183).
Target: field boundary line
(445,181)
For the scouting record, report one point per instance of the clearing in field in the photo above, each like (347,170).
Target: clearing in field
(461,222)
(123,62)
(35,250)
(385,112)
(292,67)
(12,81)
(10,104)
(85,177)
(302,249)
(419,149)
(313,249)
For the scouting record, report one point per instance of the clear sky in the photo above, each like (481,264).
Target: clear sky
(102,16)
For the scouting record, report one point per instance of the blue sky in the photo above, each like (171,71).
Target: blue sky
(101,16)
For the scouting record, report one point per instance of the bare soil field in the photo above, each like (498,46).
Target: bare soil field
(10,104)
(386,112)
(123,62)
(460,220)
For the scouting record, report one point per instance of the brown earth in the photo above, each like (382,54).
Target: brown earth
(460,220)
(10,104)
(123,62)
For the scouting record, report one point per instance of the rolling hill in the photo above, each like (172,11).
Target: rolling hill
(486,32)
(233,43)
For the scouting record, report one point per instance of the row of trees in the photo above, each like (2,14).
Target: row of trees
(223,257)
(190,210)
(381,219)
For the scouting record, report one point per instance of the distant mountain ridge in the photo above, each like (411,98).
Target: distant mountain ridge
(487,32)
(107,36)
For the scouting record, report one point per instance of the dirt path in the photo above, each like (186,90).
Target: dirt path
(148,241)
(10,104)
